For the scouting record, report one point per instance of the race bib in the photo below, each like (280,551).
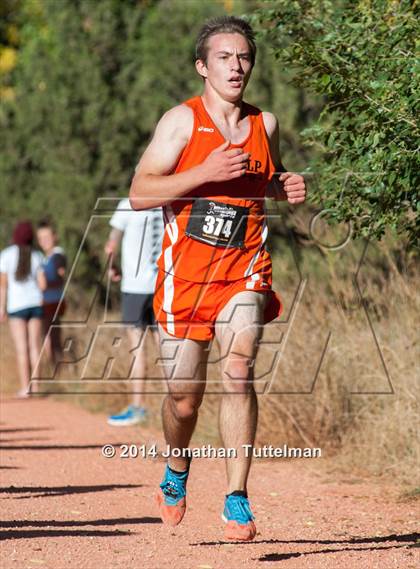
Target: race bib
(217,223)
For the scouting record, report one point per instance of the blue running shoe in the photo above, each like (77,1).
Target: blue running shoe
(130,416)
(171,497)
(239,519)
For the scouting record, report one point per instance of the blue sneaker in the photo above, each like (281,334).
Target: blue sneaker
(171,497)
(130,416)
(239,519)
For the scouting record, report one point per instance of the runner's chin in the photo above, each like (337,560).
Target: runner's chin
(234,94)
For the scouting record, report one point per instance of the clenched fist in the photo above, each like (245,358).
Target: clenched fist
(294,186)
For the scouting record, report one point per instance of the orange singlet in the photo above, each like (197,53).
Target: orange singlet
(214,241)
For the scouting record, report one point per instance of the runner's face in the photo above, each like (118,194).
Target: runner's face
(228,66)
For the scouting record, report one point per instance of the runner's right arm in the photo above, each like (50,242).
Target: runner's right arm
(155,185)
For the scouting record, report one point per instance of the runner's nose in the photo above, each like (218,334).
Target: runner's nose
(236,63)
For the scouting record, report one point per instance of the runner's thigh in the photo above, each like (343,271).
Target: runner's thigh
(239,324)
(184,362)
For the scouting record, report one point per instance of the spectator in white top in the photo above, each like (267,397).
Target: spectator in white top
(141,233)
(21,300)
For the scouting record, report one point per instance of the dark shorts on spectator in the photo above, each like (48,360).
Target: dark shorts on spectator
(137,309)
(27,313)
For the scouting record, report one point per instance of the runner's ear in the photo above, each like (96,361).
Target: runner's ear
(201,68)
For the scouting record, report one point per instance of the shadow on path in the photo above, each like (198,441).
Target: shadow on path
(60,533)
(284,556)
(77,523)
(54,447)
(46,491)
(23,429)
(409,538)
(23,439)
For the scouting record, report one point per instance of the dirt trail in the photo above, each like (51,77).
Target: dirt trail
(65,506)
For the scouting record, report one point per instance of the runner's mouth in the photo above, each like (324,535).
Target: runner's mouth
(236,82)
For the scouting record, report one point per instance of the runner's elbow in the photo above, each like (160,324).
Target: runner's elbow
(137,199)
(136,203)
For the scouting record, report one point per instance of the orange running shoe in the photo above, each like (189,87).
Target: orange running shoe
(171,498)
(239,519)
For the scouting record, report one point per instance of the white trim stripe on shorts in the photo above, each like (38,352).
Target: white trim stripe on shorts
(168,284)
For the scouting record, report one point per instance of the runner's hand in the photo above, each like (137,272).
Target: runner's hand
(223,164)
(294,186)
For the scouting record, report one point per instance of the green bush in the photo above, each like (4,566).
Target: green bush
(360,56)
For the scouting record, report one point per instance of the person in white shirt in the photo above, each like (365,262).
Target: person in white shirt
(21,300)
(141,234)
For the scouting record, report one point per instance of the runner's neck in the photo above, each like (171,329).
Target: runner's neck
(227,121)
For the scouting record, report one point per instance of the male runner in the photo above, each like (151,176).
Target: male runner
(209,164)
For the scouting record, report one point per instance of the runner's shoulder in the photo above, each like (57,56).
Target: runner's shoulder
(270,122)
(178,121)
(269,119)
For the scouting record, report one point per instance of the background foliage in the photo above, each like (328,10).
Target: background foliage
(361,56)
(82,85)
(83,90)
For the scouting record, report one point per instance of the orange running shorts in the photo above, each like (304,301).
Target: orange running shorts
(187,309)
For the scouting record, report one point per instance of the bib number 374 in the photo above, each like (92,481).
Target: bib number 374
(217,226)
(217,223)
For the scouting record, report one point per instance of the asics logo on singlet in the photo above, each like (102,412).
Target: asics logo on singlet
(205,129)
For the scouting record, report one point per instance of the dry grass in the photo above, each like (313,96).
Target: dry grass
(375,433)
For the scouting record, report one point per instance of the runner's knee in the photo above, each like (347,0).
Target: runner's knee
(237,375)
(186,406)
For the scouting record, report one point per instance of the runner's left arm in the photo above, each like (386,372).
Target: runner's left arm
(286,185)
